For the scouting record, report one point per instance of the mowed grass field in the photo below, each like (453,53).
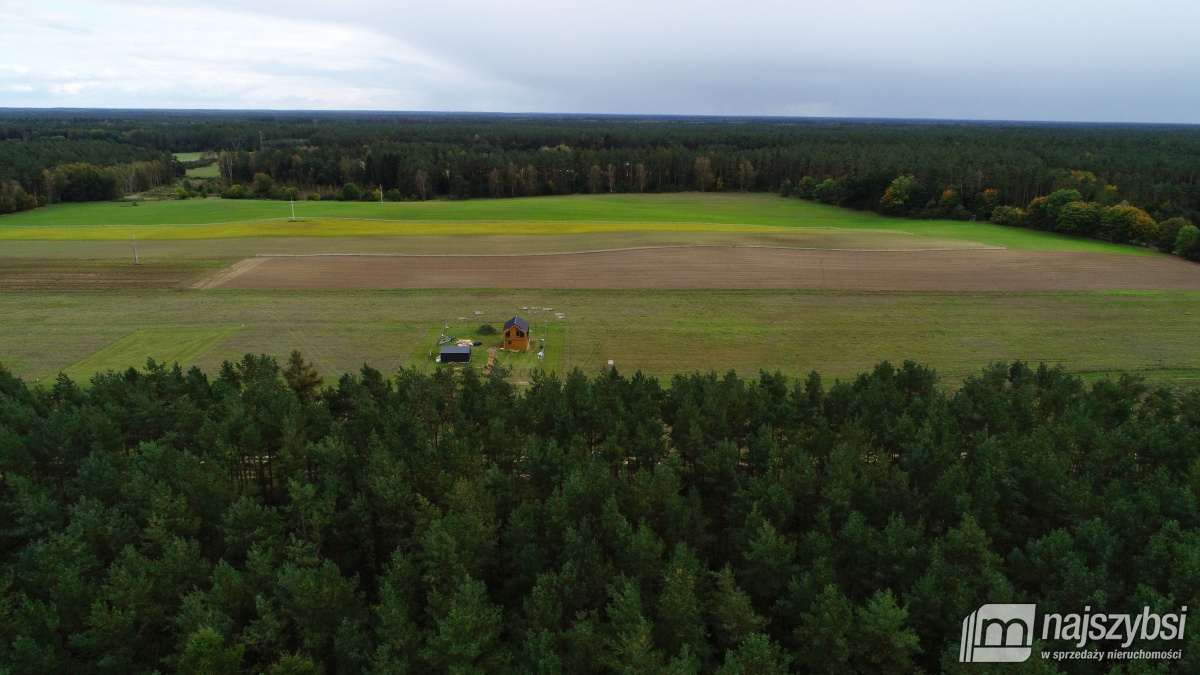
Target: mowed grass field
(219,218)
(170,345)
(211,171)
(659,332)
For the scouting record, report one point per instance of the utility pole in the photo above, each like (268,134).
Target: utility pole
(135,255)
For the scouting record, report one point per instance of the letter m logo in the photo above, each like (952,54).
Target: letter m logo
(998,634)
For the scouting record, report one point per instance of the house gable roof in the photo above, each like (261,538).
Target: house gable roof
(518,322)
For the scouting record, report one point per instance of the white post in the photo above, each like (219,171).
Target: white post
(135,255)
(380,194)
(293,201)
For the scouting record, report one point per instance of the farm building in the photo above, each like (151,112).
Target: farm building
(516,334)
(455,354)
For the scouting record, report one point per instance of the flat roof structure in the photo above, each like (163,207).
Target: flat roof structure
(456,354)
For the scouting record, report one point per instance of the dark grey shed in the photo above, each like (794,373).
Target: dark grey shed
(456,354)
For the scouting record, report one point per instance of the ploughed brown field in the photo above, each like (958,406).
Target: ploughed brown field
(723,268)
(65,274)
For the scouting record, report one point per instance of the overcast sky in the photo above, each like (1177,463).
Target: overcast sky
(1017,60)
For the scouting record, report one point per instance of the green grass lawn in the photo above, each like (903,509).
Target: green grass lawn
(188,156)
(539,215)
(172,345)
(210,171)
(660,332)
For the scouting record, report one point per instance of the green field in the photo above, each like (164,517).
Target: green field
(133,312)
(210,171)
(218,218)
(660,332)
(172,345)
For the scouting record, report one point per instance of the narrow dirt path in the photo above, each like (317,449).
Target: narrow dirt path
(229,273)
(491,360)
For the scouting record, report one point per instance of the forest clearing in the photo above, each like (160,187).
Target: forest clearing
(834,289)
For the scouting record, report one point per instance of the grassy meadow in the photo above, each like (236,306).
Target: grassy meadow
(181,345)
(221,218)
(129,313)
(211,171)
(660,332)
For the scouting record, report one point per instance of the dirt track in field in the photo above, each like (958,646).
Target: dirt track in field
(724,267)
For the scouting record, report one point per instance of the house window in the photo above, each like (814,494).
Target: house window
(520,333)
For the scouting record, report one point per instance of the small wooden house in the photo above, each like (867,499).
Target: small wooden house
(516,334)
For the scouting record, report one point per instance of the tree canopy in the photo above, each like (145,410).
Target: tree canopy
(421,156)
(165,520)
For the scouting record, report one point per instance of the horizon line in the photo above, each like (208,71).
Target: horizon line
(5,110)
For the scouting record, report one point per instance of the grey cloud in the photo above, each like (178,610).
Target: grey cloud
(1060,60)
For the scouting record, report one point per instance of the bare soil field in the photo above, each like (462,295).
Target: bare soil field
(244,247)
(721,268)
(65,274)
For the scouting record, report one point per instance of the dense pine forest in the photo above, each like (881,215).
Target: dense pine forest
(1154,167)
(254,522)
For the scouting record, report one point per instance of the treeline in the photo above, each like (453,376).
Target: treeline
(166,521)
(44,167)
(86,182)
(1080,205)
(472,156)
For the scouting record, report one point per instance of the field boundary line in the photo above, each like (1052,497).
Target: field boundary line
(613,222)
(618,250)
(452,222)
(69,227)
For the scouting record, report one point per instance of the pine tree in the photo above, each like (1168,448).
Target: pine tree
(757,656)
(302,377)
(882,642)
(206,654)
(733,617)
(631,646)
(680,623)
(467,640)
